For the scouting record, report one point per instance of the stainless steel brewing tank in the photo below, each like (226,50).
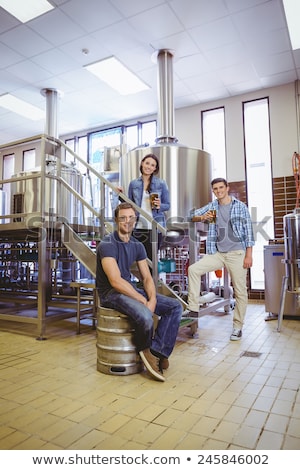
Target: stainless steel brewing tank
(291,223)
(26,195)
(187,172)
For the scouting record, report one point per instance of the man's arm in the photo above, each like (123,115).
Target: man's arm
(200,215)
(112,271)
(149,286)
(248,260)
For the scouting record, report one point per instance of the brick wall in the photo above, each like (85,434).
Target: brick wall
(284,201)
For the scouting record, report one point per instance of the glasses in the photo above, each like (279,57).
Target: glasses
(129,219)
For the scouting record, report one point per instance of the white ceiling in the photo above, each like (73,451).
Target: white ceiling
(221,48)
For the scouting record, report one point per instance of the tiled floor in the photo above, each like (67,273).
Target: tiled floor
(214,397)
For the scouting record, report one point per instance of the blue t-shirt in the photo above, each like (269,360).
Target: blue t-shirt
(125,254)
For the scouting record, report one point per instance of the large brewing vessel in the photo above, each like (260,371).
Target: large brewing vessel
(26,195)
(187,171)
(291,224)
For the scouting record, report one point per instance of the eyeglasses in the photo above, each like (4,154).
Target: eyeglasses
(129,219)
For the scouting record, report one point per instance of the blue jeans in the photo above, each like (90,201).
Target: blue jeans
(167,308)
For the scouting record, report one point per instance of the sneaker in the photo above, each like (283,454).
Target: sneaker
(163,364)
(151,364)
(236,334)
(190,314)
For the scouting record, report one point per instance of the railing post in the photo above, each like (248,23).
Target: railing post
(43,262)
(192,243)
(154,254)
(102,209)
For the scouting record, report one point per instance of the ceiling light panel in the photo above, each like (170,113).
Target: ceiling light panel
(292,14)
(21,107)
(117,76)
(25,10)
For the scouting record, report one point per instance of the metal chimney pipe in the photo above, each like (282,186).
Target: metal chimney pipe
(165,97)
(51,111)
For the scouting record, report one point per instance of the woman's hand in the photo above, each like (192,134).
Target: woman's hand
(156,202)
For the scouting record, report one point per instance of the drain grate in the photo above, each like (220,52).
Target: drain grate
(250,354)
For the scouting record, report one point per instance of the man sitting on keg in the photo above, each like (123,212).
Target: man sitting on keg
(115,255)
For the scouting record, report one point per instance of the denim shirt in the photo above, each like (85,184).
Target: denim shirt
(159,186)
(240,221)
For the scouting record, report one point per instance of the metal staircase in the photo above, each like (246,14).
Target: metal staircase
(37,242)
(74,243)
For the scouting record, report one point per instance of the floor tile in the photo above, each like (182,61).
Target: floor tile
(217,395)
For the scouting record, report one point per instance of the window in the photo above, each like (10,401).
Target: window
(259,181)
(142,133)
(213,140)
(148,133)
(8,171)
(79,146)
(82,151)
(71,144)
(99,141)
(104,151)
(132,136)
(28,160)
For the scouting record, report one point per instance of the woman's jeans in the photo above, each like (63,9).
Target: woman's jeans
(169,311)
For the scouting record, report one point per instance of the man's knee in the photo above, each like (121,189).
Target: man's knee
(195,270)
(191,269)
(146,318)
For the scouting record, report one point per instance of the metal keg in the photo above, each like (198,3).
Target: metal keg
(116,352)
(291,224)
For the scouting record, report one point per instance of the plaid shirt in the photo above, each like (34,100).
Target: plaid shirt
(240,221)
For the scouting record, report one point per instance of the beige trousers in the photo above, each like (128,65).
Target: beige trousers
(233,262)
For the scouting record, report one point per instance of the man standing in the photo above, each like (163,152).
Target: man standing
(115,256)
(229,244)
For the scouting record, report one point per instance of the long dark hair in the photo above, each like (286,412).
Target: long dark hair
(150,155)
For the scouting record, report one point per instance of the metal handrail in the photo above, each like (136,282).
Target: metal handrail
(104,224)
(109,184)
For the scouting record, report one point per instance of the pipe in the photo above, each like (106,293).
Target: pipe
(297,99)
(51,111)
(165,97)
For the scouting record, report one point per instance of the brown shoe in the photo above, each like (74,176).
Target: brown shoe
(163,363)
(151,364)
